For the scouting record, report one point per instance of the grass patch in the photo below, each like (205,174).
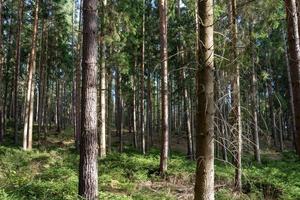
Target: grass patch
(52,173)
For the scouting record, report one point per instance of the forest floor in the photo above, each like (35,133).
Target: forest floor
(51,173)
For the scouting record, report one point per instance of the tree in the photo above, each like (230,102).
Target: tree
(255,134)
(294,63)
(1,72)
(77,83)
(142,95)
(17,67)
(88,170)
(236,104)
(28,124)
(164,86)
(103,85)
(204,187)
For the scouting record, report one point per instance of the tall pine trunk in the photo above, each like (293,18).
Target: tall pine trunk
(1,72)
(255,133)
(164,86)
(142,105)
(17,67)
(88,169)
(102,85)
(204,187)
(294,63)
(28,124)
(42,85)
(78,84)
(236,101)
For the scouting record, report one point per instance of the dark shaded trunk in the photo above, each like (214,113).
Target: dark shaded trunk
(142,104)
(17,67)
(88,169)
(78,85)
(204,187)
(1,72)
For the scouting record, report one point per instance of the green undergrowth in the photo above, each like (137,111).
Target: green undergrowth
(51,173)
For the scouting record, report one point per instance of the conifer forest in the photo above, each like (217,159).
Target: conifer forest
(150,99)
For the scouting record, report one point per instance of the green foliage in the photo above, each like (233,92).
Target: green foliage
(51,173)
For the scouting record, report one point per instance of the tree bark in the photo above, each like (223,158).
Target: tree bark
(119,112)
(17,67)
(28,124)
(294,62)
(42,85)
(150,113)
(204,187)
(103,85)
(255,133)
(1,72)
(143,140)
(78,85)
(134,117)
(164,86)
(88,169)
(236,104)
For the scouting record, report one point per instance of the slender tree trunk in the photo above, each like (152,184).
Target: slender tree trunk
(164,85)
(78,84)
(134,117)
(28,124)
(280,119)
(109,108)
(119,112)
(58,106)
(17,67)
(42,85)
(143,140)
(1,72)
(204,187)
(255,134)
(88,170)
(150,111)
(293,122)
(186,117)
(103,85)
(236,107)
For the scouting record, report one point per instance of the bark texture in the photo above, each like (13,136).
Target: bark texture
(164,86)
(204,187)
(88,169)
(28,124)
(294,63)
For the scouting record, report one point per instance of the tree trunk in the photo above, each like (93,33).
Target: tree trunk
(1,72)
(291,100)
(42,85)
(17,67)
(28,124)
(110,110)
(103,86)
(143,140)
(78,85)
(204,187)
(88,170)
(119,112)
(255,134)
(186,117)
(164,85)
(150,114)
(58,106)
(236,106)
(134,117)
